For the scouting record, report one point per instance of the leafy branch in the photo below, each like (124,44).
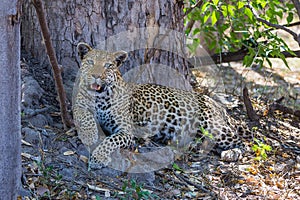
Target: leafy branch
(277,26)
(241,30)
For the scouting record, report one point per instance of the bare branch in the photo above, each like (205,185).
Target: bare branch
(190,25)
(66,119)
(277,26)
(238,56)
(198,4)
(250,111)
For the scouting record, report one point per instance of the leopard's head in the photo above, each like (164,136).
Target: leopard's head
(98,67)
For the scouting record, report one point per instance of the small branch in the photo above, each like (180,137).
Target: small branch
(198,4)
(277,26)
(250,111)
(292,24)
(279,100)
(190,25)
(237,56)
(66,119)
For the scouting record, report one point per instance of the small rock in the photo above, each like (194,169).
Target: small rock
(298,159)
(81,150)
(175,192)
(31,92)
(31,136)
(143,177)
(67,174)
(39,121)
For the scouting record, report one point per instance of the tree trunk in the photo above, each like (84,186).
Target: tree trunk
(94,22)
(10,117)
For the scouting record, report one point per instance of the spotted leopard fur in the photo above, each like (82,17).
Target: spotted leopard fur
(105,100)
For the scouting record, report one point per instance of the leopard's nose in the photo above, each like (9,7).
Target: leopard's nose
(95,76)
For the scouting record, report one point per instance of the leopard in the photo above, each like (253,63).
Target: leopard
(110,112)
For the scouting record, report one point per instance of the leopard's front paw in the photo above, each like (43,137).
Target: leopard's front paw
(99,160)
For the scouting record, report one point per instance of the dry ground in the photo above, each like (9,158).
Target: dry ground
(55,162)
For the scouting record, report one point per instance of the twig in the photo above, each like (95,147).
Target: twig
(198,4)
(66,119)
(250,111)
(199,187)
(280,99)
(277,26)
(190,25)
(239,55)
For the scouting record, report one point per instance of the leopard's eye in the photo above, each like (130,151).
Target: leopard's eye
(108,65)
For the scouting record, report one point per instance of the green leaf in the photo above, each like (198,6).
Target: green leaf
(98,197)
(247,60)
(124,186)
(231,10)
(192,2)
(290,6)
(254,147)
(192,47)
(214,18)
(206,133)
(262,3)
(215,2)
(248,13)
(267,147)
(257,158)
(133,183)
(269,62)
(206,17)
(204,7)
(212,44)
(196,30)
(284,60)
(224,10)
(290,17)
(176,167)
(241,4)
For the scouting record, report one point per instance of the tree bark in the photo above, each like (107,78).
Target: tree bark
(10,95)
(94,22)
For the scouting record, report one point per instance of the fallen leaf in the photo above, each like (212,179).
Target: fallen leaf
(98,189)
(252,181)
(285,155)
(68,153)
(83,158)
(26,155)
(26,143)
(280,184)
(253,170)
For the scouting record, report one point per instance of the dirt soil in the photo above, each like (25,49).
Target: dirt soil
(55,165)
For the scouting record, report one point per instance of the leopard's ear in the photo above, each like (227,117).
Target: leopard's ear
(82,49)
(120,56)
